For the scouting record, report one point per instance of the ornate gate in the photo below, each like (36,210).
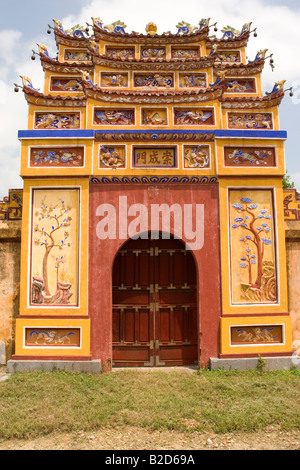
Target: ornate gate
(154,304)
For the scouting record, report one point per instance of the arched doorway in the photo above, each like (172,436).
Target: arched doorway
(155,304)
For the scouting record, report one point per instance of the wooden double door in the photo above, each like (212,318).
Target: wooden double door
(154,304)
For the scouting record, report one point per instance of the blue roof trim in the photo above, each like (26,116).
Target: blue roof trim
(61,133)
(254,134)
(89,133)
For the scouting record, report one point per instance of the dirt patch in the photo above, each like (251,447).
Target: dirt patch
(132,438)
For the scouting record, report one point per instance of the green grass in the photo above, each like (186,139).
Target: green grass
(39,403)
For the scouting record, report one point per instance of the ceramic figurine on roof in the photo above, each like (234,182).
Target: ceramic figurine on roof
(185,28)
(98,22)
(204,23)
(44,50)
(277,87)
(76,31)
(259,56)
(151,28)
(118,27)
(28,83)
(231,33)
(86,77)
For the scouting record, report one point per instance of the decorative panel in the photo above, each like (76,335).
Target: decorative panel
(154,116)
(153,52)
(194,116)
(57,157)
(112,157)
(270,334)
(192,80)
(113,117)
(196,156)
(243,85)
(114,79)
(54,260)
(252,247)
(52,337)
(120,52)
(249,156)
(57,120)
(76,55)
(153,80)
(69,84)
(228,56)
(250,121)
(154,157)
(185,52)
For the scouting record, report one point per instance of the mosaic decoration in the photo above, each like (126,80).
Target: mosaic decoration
(153,80)
(194,116)
(52,337)
(249,156)
(57,120)
(154,117)
(241,86)
(65,84)
(122,117)
(155,179)
(250,121)
(185,53)
(291,204)
(158,52)
(11,206)
(60,157)
(113,79)
(256,334)
(120,52)
(54,247)
(76,55)
(192,80)
(112,157)
(154,157)
(252,246)
(196,156)
(228,56)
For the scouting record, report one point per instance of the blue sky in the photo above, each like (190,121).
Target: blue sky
(23,24)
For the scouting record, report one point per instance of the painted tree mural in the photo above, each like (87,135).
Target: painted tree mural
(51,232)
(255,225)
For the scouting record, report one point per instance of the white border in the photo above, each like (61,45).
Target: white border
(54,167)
(114,108)
(40,347)
(195,126)
(195,168)
(257,344)
(59,128)
(153,126)
(252,166)
(249,128)
(147,167)
(117,144)
(115,73)
(30,239)
(276,251)
(158,88)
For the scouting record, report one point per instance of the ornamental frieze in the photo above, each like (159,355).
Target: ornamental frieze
(154,179)
(249,156)
(149,136)
(56,120)
(57,157)
(250,121)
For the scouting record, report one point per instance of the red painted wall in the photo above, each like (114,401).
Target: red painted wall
(103,252)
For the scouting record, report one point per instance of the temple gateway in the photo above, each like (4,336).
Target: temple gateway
(153,220)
